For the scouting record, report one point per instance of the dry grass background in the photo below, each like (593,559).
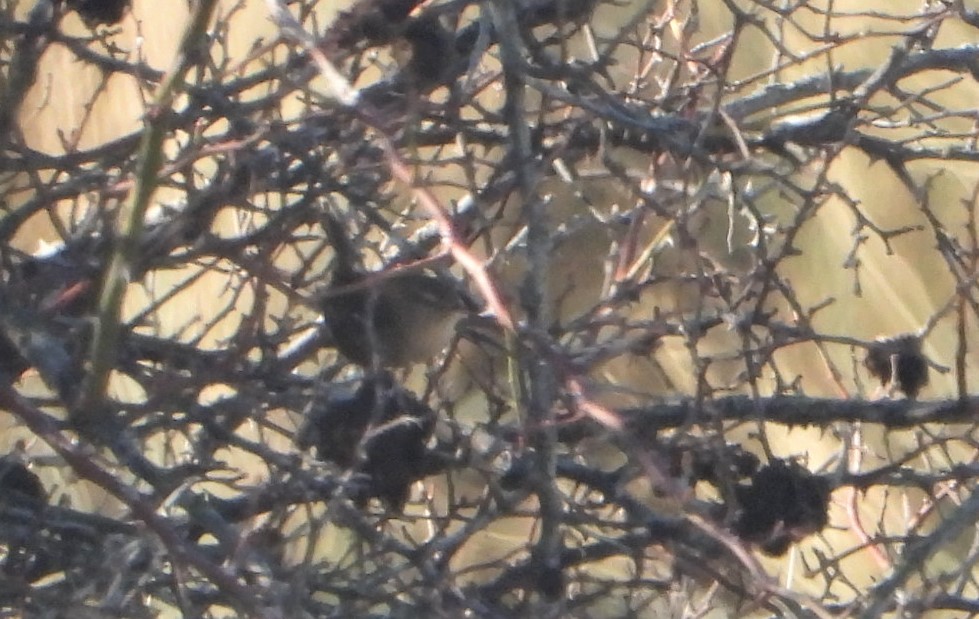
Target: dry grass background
(899,289)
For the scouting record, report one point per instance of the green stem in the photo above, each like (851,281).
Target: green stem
(133,214)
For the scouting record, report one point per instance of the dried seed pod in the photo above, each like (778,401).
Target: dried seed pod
(898,362)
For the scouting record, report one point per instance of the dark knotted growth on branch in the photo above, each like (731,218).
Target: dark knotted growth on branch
(784,503)
(706,462)
(898,362)
(95,12)
(427,51)
(26,556)
(16,479)
(12,363)
(380,431)
(31,339)
(36,293)
(551,581)
(369,22)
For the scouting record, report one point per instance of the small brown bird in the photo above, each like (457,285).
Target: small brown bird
(395,322)
(898,362)
(387,320)
(380,431)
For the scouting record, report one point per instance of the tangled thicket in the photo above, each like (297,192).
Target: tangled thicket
(674,229)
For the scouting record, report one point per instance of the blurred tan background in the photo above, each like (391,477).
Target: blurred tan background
(900,290)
